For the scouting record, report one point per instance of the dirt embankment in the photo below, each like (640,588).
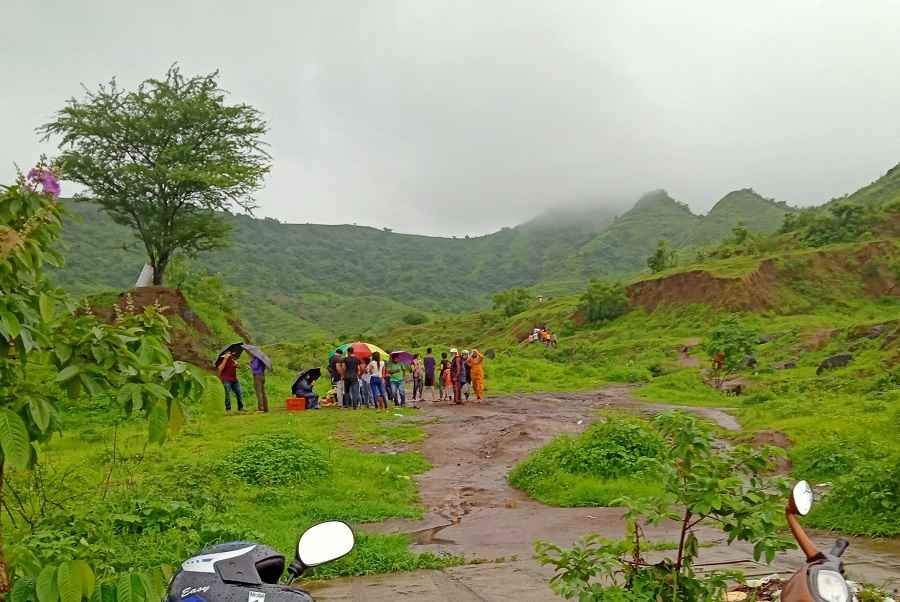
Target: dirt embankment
(774,280)
(191,339)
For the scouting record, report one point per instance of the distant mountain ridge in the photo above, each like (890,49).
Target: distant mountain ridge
(300,280)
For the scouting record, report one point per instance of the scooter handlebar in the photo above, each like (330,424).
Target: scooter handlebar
(839,547)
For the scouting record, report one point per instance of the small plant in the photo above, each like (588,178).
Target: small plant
(662,259)
(513,301)
(729,345)
(603,301)
(276,459)
(701,484)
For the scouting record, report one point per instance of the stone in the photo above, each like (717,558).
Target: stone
(835,361)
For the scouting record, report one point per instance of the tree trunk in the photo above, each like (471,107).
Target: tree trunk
(4,574)
(159,269)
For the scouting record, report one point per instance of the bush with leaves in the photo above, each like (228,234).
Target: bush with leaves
(702,484)
(662,259)
(731,342)
(513,301)
(603,301)
(276,459)
(866,498)
(47,347)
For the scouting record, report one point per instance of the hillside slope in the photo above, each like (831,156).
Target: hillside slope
(758,214)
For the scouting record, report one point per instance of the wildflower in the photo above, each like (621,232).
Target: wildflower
(46,178)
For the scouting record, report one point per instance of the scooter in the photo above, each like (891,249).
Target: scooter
(822,577)
(244,571)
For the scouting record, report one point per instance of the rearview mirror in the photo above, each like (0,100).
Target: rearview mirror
(802,498)
(325,542)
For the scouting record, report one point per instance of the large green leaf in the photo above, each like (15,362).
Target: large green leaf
(47,307)
(123,589)
(40,412)
(14,439)
(86,575)
(159,423)
(23,590)
(176,416)
(69,582)
(68,373)
(158,391)
(47,590)
(11,324)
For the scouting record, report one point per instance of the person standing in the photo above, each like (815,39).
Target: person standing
(335,370)
(467,379)
(258,368)
(397,372)
(351,380)
(476,370)
(227,371)
(376,381)
(445,382)
(365,382)
(429,365)
(457,375)
(417,374)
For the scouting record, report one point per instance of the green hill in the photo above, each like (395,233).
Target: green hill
(883,191)
(745,206)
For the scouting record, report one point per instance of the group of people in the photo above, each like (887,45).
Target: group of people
(542,335)
(367,380)
(370,381)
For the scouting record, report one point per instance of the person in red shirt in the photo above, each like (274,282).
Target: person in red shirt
(227,370)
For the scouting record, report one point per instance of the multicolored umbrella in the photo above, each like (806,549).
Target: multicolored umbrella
(360,350)
(404,357)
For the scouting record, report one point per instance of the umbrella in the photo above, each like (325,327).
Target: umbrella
(404,357)
(258,353)
(360,350)
(235,348)
(309,375)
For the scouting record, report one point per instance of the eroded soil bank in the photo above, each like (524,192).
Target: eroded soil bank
(475,513)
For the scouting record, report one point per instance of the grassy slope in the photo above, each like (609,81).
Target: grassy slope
(758,214)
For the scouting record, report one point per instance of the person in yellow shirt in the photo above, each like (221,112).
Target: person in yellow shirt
(476,364)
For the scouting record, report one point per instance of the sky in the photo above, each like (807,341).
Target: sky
(459,117)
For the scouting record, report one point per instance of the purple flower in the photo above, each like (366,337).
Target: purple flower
(46,178)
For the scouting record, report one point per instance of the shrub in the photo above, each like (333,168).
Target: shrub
(662,259)
(276,459)
(603,301)
(512,302)
(865,500)
(415,318)
(827,459)
(733,341)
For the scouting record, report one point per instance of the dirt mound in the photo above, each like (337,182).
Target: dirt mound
(191,339)
(777,283)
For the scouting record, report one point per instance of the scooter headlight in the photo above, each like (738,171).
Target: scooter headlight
(830,586)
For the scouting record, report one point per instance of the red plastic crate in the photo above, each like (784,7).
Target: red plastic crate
(295,404)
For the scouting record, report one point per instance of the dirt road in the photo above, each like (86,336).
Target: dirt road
(475,513)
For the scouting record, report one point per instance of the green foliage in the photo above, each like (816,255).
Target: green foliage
(74,581)
(164,158)
(662,258)
(276,459)
(867,497)
(732,342)
(513,301)
(604,301)
(700,484)
(843,222)
(594,468)
(415,318)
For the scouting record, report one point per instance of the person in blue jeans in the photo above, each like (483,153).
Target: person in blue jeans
(397,372)
(376,382)
(227,370)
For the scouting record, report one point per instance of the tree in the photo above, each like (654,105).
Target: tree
(47,348)
(513,301)
(164,159)
(729,345)
(701,484)
(662,258)
(739,233)
(604,301)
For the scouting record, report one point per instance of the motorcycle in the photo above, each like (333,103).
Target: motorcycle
(243,571)
(821,579)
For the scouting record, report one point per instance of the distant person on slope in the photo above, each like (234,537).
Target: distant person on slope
(476,370)
(429,365)
(351,380)
(258,368)
(227,371)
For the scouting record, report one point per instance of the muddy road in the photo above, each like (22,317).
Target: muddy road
(474,512)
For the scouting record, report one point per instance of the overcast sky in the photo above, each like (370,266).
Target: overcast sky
(460,117)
